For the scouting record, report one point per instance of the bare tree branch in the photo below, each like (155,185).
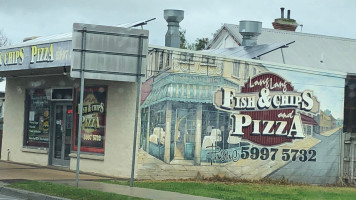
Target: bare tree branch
(4,41)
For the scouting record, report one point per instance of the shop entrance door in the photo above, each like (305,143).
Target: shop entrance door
(62,133)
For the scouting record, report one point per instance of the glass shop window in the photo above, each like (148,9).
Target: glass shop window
(94,120)
(37,118)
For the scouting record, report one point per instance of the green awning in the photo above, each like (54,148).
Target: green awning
(186,88)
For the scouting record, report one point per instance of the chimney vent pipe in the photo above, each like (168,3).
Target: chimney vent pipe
(250,30)
(282,12)
(173,18)
(288,14)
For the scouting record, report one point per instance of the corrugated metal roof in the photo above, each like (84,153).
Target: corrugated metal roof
(68,36)
(42,40)
(317,51)
(250,52)
(62,36)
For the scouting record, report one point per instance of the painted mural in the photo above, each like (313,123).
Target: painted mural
(262,121)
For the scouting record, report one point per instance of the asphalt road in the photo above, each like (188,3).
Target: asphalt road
(3,197)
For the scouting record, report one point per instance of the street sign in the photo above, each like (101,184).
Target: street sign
(111,53)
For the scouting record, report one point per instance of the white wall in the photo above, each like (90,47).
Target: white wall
(120,118)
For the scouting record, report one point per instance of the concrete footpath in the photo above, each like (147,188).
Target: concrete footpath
(10,172)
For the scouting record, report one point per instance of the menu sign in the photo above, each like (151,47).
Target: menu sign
(38,118)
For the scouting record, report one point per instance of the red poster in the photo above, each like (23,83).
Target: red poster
(93,121)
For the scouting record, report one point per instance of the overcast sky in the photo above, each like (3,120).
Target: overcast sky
(24,18)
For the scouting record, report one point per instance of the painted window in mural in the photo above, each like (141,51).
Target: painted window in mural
(246,71)
(184,128)
(37,118)
(93,122)
(144,128)
(208,60)
(236,69)
(156,133)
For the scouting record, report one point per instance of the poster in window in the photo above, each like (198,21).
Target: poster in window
(93,121)
(38,118)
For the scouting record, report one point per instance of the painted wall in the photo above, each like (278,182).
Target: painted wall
(265,133)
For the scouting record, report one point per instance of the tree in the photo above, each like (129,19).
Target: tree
(183,41)
(200,43)
(4,41)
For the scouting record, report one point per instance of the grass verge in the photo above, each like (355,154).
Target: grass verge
(245,190)
(66,191)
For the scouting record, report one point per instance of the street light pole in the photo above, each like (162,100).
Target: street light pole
(79,137)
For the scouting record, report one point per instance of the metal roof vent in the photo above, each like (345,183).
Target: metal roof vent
(173,17)
(30,38)
(250,30)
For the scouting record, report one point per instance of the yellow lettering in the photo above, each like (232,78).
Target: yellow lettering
(33,53)
(9,58)
(51,57)
(0,59)
(14,58)
(87,137)
(46,54)
(39,54)
(21,54)
(5,59)
(17,56)
(97,123)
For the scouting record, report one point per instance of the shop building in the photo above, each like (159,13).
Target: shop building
(185,131)
(202,114)
(41,118)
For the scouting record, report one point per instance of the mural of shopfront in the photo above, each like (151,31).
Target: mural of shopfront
(244,119)
(183,103)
